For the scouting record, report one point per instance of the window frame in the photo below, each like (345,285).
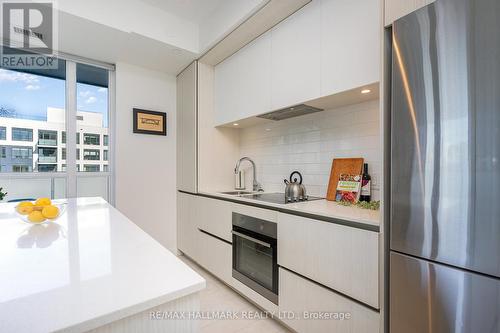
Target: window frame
(29,149)
(92,152)
(91,165)
(21,128)
(72,165)
(94,136)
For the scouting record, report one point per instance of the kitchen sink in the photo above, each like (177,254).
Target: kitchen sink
(237,192)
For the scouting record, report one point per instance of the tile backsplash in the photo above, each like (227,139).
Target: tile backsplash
(309,144)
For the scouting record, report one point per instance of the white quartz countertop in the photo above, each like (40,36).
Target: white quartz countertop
(323,208)
(90,267)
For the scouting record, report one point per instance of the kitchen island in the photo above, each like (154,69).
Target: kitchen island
(90,270)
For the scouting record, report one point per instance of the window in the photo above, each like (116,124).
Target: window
(91,154)
(35,105)
(47,167)
(22,134)
(91,167)
(47,155)
(47,138)
(22,153)
(93,101)
(32,110)
(105,168)
(105,155)
(91,139)
(21,168)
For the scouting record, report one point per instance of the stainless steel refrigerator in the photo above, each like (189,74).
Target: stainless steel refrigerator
(445,169)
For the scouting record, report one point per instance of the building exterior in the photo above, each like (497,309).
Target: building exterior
(32,145)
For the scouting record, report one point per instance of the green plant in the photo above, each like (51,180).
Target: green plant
(373,205)
(2,194)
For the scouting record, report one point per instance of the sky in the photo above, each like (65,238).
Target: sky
(30,95)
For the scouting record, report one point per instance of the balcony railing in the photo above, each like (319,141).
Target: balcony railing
(47,142)
(47,159)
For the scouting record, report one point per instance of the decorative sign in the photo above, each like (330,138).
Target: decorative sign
(150,122)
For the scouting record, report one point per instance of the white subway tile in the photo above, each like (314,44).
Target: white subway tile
(310,143)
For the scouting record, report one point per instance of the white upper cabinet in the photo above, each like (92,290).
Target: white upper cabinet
(296,54)
(395,9)
(327,47)
(350,44)
(243,82)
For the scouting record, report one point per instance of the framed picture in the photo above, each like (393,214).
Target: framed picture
(150,122)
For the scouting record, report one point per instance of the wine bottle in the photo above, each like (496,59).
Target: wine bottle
(366,193)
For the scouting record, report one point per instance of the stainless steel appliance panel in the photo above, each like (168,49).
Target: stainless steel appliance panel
(255,255)
(428,297)
(445,134)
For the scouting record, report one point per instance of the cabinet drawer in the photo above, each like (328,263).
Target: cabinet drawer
(258,213)
(215,256)
(300,296)
(214,216)
(342,258)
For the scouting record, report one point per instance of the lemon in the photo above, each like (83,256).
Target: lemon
(50,212)
(43,202)
(24,207)
(36,217)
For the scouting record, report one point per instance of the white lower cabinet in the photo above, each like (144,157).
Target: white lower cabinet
(187,228)
(341,260)
(337,256)
(215,256)
(302,301)
(196,213)
(214,216)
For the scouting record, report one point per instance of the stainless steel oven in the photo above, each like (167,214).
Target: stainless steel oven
(255,256)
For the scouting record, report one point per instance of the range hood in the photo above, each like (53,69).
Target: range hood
(290,112)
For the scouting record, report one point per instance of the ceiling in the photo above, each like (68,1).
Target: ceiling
(113,45)
(191,10)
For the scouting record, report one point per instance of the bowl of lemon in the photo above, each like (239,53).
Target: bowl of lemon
(40,211)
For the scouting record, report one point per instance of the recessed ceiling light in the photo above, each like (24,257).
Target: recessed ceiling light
(235,124)
(268,129)
(366,91)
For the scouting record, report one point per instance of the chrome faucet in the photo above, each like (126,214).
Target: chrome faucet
(256,185)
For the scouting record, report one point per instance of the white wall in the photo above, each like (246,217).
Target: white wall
(145,164)
(309,144)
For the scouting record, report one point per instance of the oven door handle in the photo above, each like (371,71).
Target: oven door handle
(255,240)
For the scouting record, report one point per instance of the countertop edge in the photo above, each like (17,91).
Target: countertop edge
(359,224)
(133,309)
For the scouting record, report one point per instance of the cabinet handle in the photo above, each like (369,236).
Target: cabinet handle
(255,240)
